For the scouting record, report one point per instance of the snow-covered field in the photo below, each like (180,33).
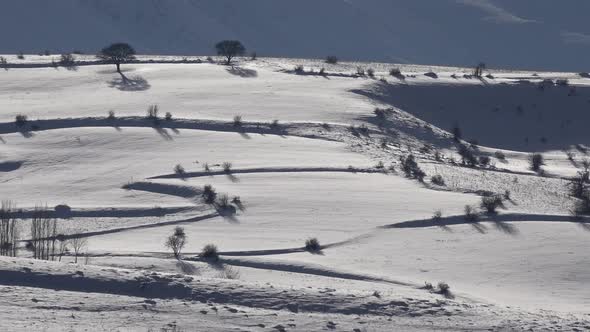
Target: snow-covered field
(315,173)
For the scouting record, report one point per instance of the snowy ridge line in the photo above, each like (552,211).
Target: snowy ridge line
(271,170)
(92,279)
(161,125)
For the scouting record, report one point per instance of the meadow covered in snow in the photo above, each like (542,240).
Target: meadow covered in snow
(300,155)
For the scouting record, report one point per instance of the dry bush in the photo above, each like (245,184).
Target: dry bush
(313,245)
(176,241)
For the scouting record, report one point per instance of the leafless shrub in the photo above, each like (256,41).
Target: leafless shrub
(152,112)
(444,289)
(274,124)
(299,69)
(179,170)
(78,245)
(470,214)
(313,245)
(176,241)
(237,121)
(229,272)
(111,115)
(226,167)
(210,252)
(437,216)
(20,120)
(209,194)
(438,180)
(223,201)
(491,203)
(237,201)
(500,155)
(331,59)
(67,60)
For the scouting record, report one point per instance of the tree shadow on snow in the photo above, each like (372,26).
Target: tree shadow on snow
(132,83)
(242,72)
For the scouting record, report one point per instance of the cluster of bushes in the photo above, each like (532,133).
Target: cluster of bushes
(579,188)
(360,130)
(221,202)
(381,113)
(411,169)
(442,288)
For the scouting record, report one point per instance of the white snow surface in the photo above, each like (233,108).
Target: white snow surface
(313,174)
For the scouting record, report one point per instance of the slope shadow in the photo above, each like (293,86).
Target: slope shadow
(124,83)
(242,72)
(524,112)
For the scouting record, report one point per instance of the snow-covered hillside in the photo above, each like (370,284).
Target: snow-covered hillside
(534,34)
(310,157)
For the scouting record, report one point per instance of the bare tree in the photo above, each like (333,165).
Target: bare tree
(62,248)
(176,241)
(230,49)
(9,230)
(478,71)
(43,234)
(117,53)
(78,245)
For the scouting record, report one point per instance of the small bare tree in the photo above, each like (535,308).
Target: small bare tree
(78,245)
(478,71)
(176,241)
(9,229)
(62,248)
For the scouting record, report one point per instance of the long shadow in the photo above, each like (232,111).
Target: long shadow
(310,269)
(499,221)
(9,166)
(242,72)
(131,228)
(124,83)
(165,189)
(271,170)
(107,213)
(142,122)
(164,133)
(26,133)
